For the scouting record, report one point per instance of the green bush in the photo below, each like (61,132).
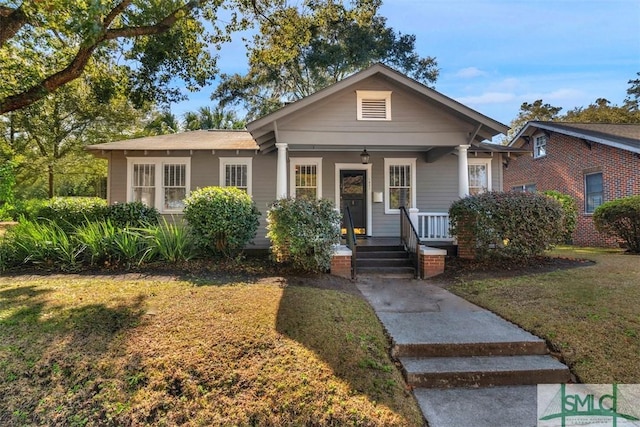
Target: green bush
(570,210)
(223,220)
(303,232)
(509,225)
(132,214)
(66,212)
(620,218)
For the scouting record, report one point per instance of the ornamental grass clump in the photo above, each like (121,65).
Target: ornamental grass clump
(303,232)
(223,220)
(509,225)
(620,218)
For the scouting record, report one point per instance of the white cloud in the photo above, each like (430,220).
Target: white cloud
(488,98)
(469,72)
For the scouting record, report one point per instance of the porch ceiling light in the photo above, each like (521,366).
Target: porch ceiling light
(364,156)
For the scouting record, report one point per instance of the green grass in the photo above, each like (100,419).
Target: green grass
(589,314)
(114,351)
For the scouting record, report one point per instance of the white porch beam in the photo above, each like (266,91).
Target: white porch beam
(281,177)
(463,171)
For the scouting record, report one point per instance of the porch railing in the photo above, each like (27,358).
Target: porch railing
(352,243)
(409,239)
(434,226)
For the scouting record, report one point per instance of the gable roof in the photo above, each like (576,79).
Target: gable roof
(192,140)
(264,129)
(622,136)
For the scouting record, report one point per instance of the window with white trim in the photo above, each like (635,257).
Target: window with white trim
(374,104)
(236,172)
(305,178)
(162,183)
(593,191)
(399,184)
(479,175)
(174,184)
(539,146)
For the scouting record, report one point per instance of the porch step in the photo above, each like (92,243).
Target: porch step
(483,371)
(384,260)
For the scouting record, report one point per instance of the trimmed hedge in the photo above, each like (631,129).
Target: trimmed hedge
(620,218)
(66,212)
(223,219)
(132,214)
(303,232)
(512,225)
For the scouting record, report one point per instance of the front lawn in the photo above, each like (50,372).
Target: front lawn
(123,350)
(589,314)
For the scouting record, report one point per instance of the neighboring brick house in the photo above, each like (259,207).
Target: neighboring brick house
(592,162)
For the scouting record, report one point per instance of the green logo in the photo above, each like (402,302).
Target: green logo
(588,404)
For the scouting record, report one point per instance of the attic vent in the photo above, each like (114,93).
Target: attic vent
(374,105)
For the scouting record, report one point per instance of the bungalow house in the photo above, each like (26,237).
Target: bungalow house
(375,142)
(592,162)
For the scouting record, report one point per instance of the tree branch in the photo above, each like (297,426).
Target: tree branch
(79,62)
(11,20)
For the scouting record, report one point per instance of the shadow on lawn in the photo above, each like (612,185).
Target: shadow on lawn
(52,355)
(343,331)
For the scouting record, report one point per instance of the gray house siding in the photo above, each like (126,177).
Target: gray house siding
(334,122)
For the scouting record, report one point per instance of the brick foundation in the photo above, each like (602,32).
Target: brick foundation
(341,262)
(431,261)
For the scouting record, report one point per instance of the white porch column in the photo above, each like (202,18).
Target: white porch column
(463,171)
(281,177)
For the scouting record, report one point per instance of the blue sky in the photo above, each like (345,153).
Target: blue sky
(494,55)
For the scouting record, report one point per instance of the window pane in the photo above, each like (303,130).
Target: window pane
(399,197)
(145,195)
(306,181)
(236,176)
(593,192)
(399,186)
(174,198)
(478,179)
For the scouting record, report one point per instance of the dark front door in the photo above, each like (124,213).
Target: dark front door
(353,191)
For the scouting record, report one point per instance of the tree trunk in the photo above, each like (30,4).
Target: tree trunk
(50,168)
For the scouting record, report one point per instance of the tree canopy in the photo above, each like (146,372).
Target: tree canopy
(300,49)
(161,45)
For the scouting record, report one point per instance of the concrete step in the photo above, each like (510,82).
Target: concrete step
(380,248)
(404,271)
(510,406)
(483,371)
(385,262)
(380,254)
(457,333)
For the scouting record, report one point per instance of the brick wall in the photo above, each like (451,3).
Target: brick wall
(563,169)
(341,265)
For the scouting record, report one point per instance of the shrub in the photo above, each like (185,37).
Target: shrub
(570,213)
(223,220)
(66,212)
(98,238)
(620,218)
(510,225)
(132,214)
(303,232)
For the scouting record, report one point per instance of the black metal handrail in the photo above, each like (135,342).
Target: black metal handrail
(352,243)
(409,239)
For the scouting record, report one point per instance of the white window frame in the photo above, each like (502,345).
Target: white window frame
(159,163)
(398,162)
(487,163)
(305,161)
(539,142)
(245,161)
(378,95)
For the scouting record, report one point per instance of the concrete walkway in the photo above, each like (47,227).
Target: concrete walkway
(468,367)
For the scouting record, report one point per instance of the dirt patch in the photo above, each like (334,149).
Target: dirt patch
(457,269)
